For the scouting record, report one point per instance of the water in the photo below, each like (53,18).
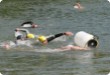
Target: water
(54,16)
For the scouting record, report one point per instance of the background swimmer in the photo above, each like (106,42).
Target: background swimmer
(29,24)
(78,6)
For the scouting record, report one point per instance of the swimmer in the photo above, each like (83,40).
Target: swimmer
(22,39)
(29,24)
(78,6)
(19,35)
(45,40)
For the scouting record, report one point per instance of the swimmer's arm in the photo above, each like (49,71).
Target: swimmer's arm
(65,33)
(72,48)
(78,48)
(54,37)
(58,35)
(25,30)
(64,48)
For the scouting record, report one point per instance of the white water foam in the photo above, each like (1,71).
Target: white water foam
(49,50)
(109,1)
(0,0)
(13,44)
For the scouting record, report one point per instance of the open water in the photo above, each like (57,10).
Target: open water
(54,16)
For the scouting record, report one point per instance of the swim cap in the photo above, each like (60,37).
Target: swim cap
(41,38)
(19,37)
(31,36)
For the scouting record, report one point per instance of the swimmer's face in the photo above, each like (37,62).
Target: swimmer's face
(34,26)
(45,42)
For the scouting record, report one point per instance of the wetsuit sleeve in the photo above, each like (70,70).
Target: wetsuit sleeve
(28,22)
(54,36)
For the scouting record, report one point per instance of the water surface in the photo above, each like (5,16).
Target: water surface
(54,16)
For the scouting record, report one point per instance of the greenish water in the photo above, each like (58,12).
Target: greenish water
(54,16)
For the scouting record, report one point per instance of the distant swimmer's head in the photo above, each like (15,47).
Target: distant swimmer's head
(78,6)
(29,24)
(31,36)
(42,38)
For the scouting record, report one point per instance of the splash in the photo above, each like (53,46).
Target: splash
(49,50)
(108,73)
(12,44)
(1,74)
(0,0)
(108,0)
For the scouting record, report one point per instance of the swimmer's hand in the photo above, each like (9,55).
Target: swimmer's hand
(68,33)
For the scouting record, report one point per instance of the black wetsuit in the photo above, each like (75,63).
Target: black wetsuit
(28,22)
(49,39)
